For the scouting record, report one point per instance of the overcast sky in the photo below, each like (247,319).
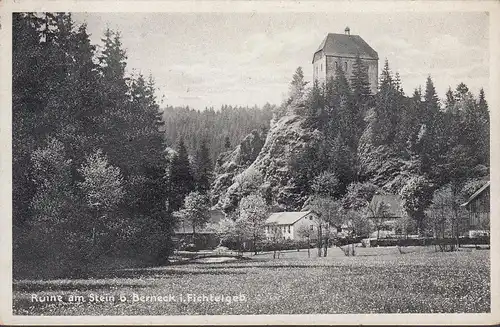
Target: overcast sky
(210,59)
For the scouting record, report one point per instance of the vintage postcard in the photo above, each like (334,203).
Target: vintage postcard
(252,162)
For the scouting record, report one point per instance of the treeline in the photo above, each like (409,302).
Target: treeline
(434,155)
(414,145)
(221,130)
(89,179)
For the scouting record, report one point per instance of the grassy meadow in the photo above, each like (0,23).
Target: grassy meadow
(374,281)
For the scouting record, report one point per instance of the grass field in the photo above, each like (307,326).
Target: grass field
(375,281)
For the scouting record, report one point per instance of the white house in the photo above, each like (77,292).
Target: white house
(287,224)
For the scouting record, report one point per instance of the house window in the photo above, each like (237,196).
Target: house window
(346,66)
(336,65)
(321,67)
(312,227)
(288,228)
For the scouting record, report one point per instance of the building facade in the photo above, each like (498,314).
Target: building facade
(205,237)
(341,50)
(287,225)
(478,212)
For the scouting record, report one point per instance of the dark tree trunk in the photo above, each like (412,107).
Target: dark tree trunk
(308,246)
(320,240)
(194,237)
(325,247)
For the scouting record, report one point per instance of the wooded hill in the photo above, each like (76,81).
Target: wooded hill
(221,129)
(94,178)
(339,143)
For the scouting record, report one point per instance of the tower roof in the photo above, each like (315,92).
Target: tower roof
(345,45)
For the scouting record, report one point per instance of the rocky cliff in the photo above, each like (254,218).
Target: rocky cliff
(382,165)
(270,171)
(231,163)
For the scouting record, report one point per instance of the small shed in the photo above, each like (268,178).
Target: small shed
(205,238)
(478,211)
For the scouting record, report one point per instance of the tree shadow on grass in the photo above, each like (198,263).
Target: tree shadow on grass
(71,286)
(277,266)
(164,272)
(92,285)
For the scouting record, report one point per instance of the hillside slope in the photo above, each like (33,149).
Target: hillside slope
(270,171)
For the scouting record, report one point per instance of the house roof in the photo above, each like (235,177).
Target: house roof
(344,45)
(286,218)
(477,193)
(186,228)
(394,205)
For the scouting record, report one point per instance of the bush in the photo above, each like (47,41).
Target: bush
(429,241)
(345,240)
(283,245)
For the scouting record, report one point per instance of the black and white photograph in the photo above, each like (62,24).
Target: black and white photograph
(249,163)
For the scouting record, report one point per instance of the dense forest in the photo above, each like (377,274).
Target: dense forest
(221,129)
(364,135)
(331,147)
(88,154)
(93,173)
(95,178)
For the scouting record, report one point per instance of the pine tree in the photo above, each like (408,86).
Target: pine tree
(483,105)
(115,127)
(203,167)
(227,143)
(60,93)
(331,107)
(450,100)
(297,86)
(361,93)
(429,149)
(343,116)
(341,161)
(411,123)
(385,78)
(315,106)
(387,110)
(397,83)
(181,178)
(484,128)
(28,102)
(360,83)
(431,99)
(461,92)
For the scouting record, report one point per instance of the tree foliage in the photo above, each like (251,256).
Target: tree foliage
(195,211)
(86,143)
(253,213)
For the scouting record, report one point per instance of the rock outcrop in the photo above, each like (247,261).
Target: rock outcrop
(229,164)
(382,165)
(270,171)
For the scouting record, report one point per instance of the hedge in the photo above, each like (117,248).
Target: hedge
(484,240)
